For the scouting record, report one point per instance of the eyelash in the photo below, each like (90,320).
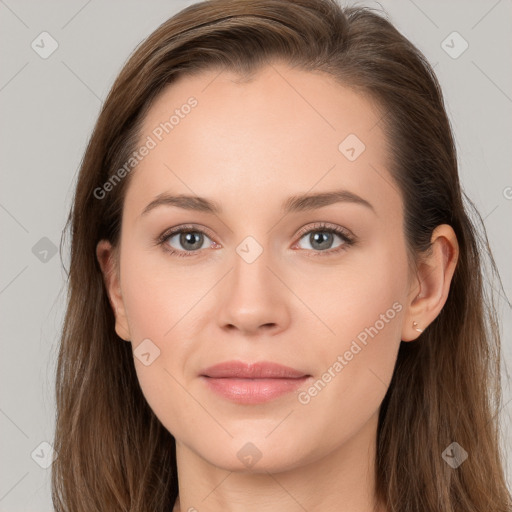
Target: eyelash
(319,226)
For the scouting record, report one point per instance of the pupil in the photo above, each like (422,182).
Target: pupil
(321,238)
(188,238)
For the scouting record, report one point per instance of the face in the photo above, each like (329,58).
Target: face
(315,285)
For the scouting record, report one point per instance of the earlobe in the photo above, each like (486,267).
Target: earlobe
(106,257)
(431,289)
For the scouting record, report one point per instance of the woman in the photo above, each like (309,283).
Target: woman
(275,294)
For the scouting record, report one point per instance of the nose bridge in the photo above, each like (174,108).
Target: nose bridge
(252,296)
(251,261)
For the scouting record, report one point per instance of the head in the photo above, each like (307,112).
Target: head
(273,101)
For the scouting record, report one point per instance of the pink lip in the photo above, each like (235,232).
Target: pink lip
(252,383)
(259,370)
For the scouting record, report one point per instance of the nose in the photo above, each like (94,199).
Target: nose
(252,299)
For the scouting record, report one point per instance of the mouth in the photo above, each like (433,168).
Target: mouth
(256,383)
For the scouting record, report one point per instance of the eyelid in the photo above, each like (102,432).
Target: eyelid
(185,227)
(324,225)
(306,229)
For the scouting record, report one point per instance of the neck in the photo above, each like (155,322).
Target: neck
(342,481)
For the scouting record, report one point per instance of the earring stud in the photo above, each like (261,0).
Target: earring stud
(415,325)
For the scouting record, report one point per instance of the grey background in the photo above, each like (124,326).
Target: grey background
(49,107)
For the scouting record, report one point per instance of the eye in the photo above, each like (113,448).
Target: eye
(320,238)
(185,241)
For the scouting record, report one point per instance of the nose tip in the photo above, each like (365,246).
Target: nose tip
(251,300)
(267,327)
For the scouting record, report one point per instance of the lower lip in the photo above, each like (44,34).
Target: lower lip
(252,391)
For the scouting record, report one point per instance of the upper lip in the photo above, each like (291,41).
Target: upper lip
(257,370)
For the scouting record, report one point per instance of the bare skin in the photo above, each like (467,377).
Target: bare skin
(248,147)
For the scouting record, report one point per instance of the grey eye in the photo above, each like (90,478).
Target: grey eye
(321,239)
(189,240)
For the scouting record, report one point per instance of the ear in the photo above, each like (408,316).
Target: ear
(429,290)
(108,259)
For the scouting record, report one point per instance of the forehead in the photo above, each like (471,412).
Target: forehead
(283,132)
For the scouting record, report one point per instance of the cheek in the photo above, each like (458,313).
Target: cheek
(158,308)
(161,304)
(158,294)
(356,364)
(363,308)
(365,291)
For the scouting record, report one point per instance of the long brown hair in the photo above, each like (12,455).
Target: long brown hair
(113,453)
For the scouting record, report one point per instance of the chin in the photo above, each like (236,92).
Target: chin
(256,454)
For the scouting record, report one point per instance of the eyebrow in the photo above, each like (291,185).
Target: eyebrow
(297,203)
